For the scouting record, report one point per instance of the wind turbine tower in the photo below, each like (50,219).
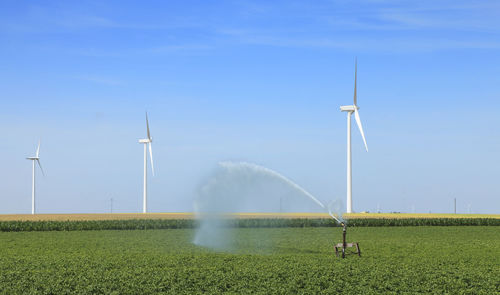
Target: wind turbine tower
(34,159)
(352,109)
(147,143)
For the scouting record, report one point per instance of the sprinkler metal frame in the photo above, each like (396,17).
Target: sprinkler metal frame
(345,245)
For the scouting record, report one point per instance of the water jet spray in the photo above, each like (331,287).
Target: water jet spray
(216,198)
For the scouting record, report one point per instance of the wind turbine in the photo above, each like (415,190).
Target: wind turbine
(34,159)
(147,142)
(352,109)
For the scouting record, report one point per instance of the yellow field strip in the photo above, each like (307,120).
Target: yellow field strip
(419,215)
(96,216)
(119,216)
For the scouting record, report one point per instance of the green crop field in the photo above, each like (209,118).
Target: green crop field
(451,259)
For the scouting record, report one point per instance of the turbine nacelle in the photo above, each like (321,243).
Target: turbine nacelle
(351,108)
(146,140)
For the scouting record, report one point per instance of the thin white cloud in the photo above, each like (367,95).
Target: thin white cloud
(177,48)
(100,80)
(387,26)
(399,26)
(386,44)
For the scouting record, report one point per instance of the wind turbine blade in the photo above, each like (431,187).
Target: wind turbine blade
(38,149)
(40,165)
(151,158)
(147,126)
(355,82)
(358,121)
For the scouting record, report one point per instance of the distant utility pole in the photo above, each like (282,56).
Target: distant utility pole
(111,205)
(455,205)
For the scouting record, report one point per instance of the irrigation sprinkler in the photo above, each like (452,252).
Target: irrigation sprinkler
(344,245)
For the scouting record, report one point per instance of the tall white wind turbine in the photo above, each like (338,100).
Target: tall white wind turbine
(352,109)
(34,159)
(147,142)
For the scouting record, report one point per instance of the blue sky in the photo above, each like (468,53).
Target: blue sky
(256,81)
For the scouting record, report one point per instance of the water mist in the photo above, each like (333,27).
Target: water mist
(246,187)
